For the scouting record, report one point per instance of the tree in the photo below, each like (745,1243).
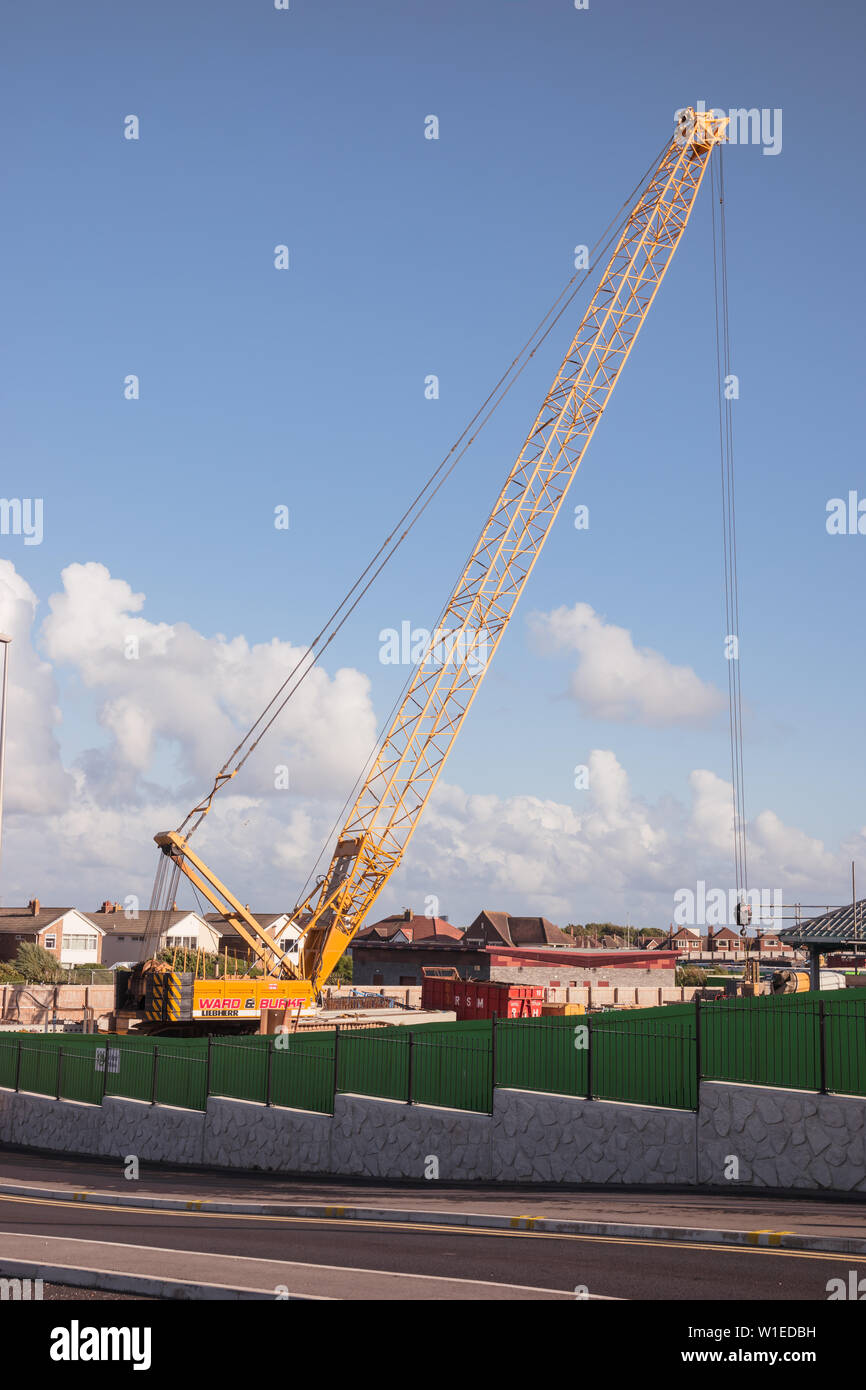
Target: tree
(9,975)
(342,971)
(205,965)
(690,975)
(37,966)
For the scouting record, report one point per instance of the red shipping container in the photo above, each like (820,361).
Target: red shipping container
(471,999)
(437,993)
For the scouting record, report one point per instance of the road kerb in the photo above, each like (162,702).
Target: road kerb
(142,1285)
(481,1221)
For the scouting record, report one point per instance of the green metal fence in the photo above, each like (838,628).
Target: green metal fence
(814,1042)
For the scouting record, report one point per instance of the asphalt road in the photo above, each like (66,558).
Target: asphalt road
(811,1215)
(359,1260)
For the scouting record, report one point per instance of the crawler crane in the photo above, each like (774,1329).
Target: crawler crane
(414,749)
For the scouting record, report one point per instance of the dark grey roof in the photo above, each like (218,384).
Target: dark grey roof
(22,920)
(834,928)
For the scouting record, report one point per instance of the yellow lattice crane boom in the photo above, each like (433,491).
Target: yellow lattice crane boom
(473,622)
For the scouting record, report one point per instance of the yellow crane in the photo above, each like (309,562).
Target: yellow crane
(414,749)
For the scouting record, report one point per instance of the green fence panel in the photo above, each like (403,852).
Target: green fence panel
(302,1072)
(632,1061)
(374,1062)
(38,1069)
(845,1043)
(80,1075)
(453,1071)
(128,1071)
(8,1061)
(181,1081)
(764,1041)
(544,1054)
(239,1069)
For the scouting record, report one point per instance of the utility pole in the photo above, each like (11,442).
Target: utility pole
(4,642)
(854,905)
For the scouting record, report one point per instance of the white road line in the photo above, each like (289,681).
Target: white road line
(304,1264)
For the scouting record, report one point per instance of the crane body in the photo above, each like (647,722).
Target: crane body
(473,622)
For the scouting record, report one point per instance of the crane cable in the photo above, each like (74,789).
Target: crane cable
(599,249)
(318,646)
(725,382)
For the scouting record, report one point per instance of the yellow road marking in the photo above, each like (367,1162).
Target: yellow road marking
(428,1228)
(770,1237)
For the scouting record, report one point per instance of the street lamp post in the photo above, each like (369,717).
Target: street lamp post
(4,641)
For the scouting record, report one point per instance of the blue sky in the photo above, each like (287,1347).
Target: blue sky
(411,257)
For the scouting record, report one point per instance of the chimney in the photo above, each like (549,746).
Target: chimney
(33,906)
(106,907)
(407,914)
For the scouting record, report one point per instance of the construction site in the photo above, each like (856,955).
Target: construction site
(289,996)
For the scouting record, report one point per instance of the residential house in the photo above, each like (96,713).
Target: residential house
(688,941)
(501,929)
(67,934)
(277,926)
(124,932)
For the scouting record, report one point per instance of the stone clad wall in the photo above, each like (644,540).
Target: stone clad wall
(242,1134)
(542,1138)
(778,1139)
(386,1139)
(782,1138)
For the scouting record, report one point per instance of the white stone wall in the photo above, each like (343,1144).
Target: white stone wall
(154,1133)
(385,1139)
(781,1138)
(546,1138)
(39,1122)
(242,1134)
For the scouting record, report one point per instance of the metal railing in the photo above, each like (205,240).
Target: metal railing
(657,1057)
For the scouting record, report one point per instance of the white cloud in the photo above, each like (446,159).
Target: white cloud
(196,695)
(609,854)
(35,780)
(170,716)
(617,680)
(81,833)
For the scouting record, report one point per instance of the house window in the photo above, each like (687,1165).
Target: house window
(186,943)
(50,942)
(76,943)
(288,944)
